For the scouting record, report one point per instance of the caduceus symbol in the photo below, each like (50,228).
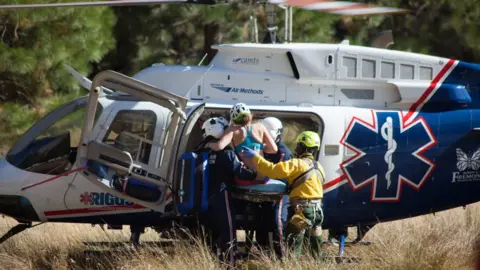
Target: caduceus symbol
(387,135)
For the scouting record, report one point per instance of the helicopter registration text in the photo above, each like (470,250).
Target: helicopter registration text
(102,198)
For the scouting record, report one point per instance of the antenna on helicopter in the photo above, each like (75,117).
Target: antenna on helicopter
(288,22)
(271,34)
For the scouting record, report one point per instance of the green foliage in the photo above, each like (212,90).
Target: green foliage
(446,28)
(35,43)
(174,34)
(17,118)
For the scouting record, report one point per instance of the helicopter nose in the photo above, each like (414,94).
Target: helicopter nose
(13,205)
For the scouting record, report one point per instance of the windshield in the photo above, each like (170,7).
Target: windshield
(49,146)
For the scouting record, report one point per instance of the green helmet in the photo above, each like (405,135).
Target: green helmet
(309,138)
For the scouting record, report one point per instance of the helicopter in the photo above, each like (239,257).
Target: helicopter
(399,131)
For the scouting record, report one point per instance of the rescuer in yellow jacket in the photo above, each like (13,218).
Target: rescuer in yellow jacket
(305,178)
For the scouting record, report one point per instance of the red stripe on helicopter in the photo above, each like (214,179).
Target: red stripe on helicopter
(92,210)
(334,182)
(429,90)
(53,178)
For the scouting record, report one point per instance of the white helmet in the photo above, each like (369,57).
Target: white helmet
(214,127)
(238,110)
(223,121)
(274,127)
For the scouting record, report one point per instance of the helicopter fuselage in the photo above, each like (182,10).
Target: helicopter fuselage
(399,133)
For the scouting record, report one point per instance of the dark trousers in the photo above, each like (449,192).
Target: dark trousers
(221,226)
(273,217)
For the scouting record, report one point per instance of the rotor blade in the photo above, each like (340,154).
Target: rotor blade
(339,7)
(108,3)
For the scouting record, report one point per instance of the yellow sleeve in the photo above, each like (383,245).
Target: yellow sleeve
(276,171)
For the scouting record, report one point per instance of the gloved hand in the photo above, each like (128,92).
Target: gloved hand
(247,152)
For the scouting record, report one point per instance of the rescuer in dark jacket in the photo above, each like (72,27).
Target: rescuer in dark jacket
(224,166)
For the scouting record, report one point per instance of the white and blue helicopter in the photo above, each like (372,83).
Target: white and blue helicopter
(399,132)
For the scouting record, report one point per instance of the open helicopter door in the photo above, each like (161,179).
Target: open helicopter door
(114,169)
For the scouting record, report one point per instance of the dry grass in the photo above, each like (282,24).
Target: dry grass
(444,241)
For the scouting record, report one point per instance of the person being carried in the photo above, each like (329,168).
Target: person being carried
(244,133)
(305,178)
(224,166)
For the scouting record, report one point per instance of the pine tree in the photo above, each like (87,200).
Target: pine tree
(35,43)
(174,34)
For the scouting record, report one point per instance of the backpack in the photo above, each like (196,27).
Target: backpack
(192,182)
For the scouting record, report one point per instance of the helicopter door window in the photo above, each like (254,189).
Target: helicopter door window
(132,131)
(351,64)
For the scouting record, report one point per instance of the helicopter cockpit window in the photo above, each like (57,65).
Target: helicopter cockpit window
(50,146)
(132,131)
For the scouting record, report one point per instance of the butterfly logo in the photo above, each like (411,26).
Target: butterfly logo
(464,162)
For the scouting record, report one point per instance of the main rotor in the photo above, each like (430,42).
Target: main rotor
(344,8)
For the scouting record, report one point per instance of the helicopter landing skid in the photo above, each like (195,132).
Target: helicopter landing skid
(16,230)
(348,243)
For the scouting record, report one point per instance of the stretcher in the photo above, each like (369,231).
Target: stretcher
(272,190)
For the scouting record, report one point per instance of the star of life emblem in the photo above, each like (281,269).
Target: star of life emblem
(86,198)
(387,135)
(467,166)
(388,154)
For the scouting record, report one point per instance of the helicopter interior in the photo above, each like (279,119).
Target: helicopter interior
(293,124)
